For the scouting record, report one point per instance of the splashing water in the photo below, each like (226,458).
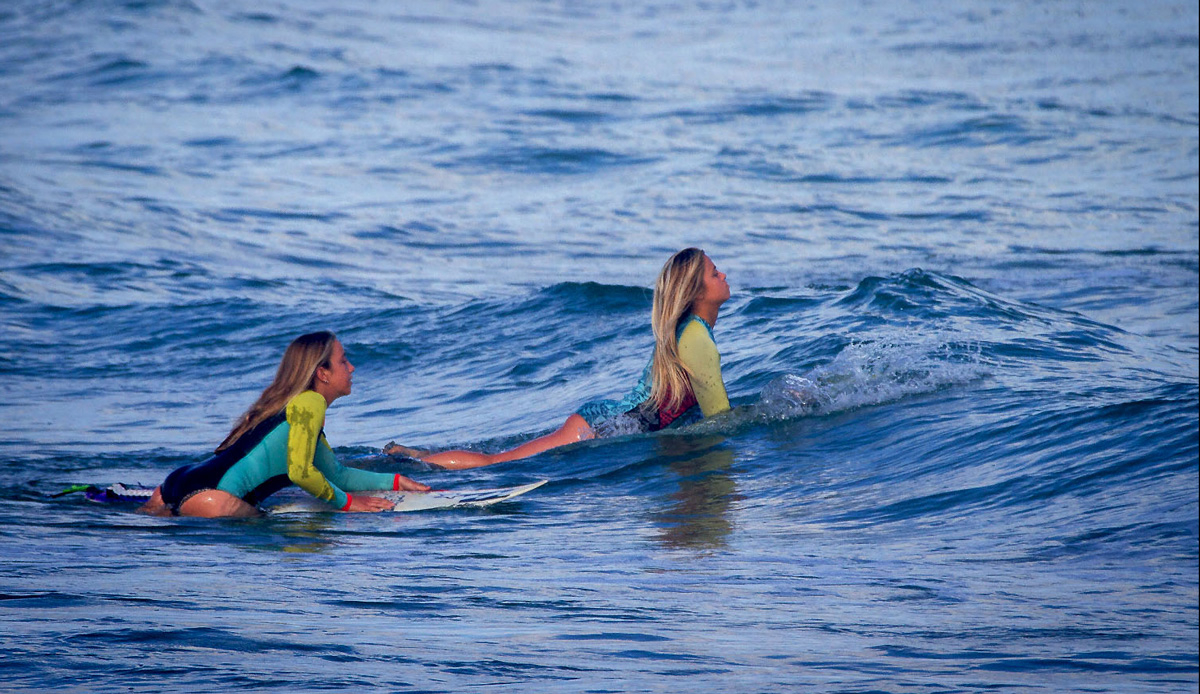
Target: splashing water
(867,373)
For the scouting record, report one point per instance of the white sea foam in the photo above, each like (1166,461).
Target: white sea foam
(873,372)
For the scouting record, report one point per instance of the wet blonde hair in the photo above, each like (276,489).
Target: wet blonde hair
(679,285)
(296,374)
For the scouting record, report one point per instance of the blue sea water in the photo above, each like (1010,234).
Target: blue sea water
(967,231)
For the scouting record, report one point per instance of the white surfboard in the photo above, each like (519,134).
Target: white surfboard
(417,501)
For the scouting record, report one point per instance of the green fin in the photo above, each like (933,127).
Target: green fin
(72,489)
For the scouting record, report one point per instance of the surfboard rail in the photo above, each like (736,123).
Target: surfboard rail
(404,501)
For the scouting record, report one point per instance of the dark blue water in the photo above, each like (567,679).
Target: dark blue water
(967,231)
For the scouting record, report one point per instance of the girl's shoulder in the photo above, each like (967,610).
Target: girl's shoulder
(694,327)
(309,401)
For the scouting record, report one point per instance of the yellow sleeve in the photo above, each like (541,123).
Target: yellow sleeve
(699,354)
(306,417)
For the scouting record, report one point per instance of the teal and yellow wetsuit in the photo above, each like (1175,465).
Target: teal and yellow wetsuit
(634,412)
(288,448)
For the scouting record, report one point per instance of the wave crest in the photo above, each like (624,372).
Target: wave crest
(872,373)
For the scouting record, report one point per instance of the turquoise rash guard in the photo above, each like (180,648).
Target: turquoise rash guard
(288,448)
(698,352)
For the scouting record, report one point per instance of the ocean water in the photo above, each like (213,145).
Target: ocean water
(965,233)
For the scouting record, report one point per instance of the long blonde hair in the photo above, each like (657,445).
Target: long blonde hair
(296,373)
(679,284)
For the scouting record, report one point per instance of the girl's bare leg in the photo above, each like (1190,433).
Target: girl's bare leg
(155,506)
(393,448)
(213,503)
(573,430)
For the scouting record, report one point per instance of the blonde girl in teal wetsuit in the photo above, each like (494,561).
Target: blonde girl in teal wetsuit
(279,442)
(684,371)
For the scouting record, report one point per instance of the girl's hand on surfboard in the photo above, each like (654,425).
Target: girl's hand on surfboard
(368,504)
(407,485)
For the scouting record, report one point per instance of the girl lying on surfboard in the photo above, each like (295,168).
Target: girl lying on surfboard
(684,370)
(279,442)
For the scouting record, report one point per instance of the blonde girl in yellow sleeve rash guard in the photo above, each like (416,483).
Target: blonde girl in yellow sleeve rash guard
(279,442)
(684,370)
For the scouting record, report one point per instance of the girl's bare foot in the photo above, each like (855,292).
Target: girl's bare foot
(393,448)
